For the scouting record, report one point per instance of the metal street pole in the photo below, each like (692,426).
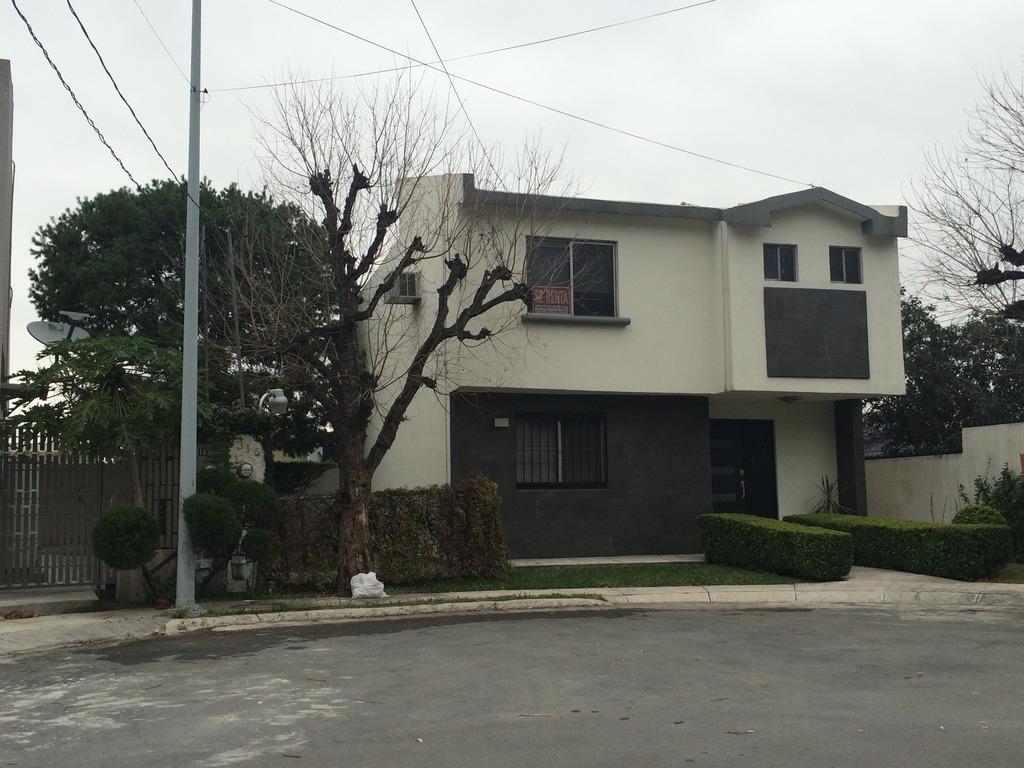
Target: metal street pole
(185,595)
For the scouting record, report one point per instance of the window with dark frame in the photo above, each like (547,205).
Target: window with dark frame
(571,277)
(561,450)
(844,264)
(780,262)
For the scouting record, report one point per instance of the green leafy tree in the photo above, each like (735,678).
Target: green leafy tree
(107,397)
(118,256)
(957,375)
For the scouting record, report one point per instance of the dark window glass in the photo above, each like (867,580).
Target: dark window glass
(572,277)
(560,451)
(844,264)
(780,262)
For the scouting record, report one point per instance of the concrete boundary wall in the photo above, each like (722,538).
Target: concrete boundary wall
(928,487)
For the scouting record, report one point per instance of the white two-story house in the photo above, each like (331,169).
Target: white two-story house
(677,360)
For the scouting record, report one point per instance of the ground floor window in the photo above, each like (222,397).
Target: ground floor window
(560,450)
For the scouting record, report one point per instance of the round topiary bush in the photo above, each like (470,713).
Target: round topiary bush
(256,544)
(257,504)
(213,524)
(979,514)
(215,480)
(126,537)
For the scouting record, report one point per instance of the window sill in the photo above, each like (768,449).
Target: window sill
(545,319)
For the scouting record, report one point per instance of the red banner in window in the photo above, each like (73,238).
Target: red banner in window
(551,299)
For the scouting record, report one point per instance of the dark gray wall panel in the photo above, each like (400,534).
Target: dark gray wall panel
(816,334)
(658,456)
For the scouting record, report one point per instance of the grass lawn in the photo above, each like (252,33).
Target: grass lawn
(1012,573)
(592,576)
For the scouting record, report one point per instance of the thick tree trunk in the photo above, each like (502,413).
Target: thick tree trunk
(355,553)
(134,477)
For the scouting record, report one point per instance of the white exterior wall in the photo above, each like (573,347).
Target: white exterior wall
(693,291)
(804,445)
(928,487)
(667,285)
(813,230)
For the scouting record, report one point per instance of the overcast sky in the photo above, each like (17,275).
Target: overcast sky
(845,94)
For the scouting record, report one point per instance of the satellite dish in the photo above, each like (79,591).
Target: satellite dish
(50,333)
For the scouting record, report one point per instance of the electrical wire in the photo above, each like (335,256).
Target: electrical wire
(160,40)
(562,112)
(468,55)
(451,82)
(74,98)
(116,88)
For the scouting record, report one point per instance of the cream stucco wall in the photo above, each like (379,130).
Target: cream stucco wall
(692,290)
(928,487)
(813,230)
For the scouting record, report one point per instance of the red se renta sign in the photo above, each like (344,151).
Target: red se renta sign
(551,299)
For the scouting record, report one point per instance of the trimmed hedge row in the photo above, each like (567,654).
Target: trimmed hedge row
(760,543)
(439,532)
(964,552)
(419,534)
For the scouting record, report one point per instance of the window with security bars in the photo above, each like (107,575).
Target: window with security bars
(560,451)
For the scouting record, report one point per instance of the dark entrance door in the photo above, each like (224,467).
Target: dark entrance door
(743,467)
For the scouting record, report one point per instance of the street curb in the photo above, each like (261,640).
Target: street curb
(334,615)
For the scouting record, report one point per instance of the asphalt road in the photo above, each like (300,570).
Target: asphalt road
(710,687)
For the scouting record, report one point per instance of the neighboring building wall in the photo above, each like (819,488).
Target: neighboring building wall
(928,487)
(6,212)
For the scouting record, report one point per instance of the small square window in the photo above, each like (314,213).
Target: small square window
(560,450)
(844,264)
(780,262)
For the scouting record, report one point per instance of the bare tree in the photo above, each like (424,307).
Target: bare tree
(382,172)
(969,207)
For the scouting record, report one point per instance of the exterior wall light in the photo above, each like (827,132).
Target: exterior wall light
(275,400)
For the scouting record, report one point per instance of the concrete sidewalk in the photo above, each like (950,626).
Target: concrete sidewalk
(38,620)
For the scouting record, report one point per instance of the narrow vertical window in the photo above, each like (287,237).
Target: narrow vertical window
(844,265)
(780,262)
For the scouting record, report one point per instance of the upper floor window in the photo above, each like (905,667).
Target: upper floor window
(844,264)
(571,277)
(780,262)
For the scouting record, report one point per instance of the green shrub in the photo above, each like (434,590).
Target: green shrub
(964,552)
(213,524)
(215,480)
(764,544)
(257,505)
(126,537)
(419,534)
(290,477)
(439,532)
(257,544)
(1006,494)
(979,514)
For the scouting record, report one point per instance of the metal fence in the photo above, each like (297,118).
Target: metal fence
(49,503)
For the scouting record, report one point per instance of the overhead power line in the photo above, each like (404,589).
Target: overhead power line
(160,40)
(555,110)
(116,88)
(451,82)
(74,98)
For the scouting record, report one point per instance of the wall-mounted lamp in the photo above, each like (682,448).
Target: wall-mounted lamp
(275,400)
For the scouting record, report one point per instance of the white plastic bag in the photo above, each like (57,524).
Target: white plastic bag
(366,585)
